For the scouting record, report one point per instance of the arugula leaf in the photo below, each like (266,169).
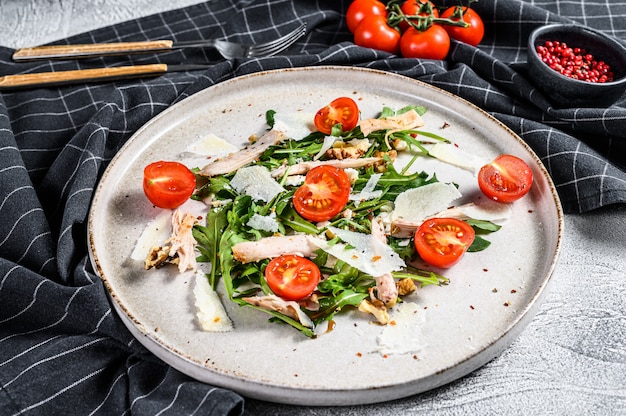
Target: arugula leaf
(425,277)
(479,244)
(331,305)
(208,239)
(289,217)
(345,278)
(482,226)
(404,250)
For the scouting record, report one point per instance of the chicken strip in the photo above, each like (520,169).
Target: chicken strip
(304,167)
(275,303)
(270,247)
(179,248)
(386,289)
(243,157)
(406,121)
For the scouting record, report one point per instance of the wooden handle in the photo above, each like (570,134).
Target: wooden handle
(8,82)
(89,50)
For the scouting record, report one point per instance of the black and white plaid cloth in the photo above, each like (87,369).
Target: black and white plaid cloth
(62,349)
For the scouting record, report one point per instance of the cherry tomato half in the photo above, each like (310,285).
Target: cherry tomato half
(168,184)
(359,9)
(414,8)
(506,179)
(374,32)
(323,194)
(432,43)
(441,242)
(292,277)
(342,110)
(471,35)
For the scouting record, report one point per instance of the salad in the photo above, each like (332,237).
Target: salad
(304,226)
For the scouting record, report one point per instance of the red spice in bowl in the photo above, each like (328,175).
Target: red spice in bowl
(573,62)
(562,71)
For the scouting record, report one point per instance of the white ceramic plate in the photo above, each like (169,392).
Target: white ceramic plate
(492,295)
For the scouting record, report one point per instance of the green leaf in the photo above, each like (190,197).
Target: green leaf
(483,227)
(209,239)
(344,279)
(479,244)
(329,306)
(290,218)
(269,118)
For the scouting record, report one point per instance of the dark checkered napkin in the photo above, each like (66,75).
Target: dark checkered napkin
(60,342)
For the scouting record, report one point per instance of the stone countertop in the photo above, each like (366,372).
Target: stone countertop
(570,360)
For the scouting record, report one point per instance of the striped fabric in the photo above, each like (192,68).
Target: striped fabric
(62,349)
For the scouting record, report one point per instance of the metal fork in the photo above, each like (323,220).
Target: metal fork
(227,49)
(231,50)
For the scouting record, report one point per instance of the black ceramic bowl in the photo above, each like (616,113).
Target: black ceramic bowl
(564,91)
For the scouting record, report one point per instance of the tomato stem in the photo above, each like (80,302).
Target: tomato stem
(425,17)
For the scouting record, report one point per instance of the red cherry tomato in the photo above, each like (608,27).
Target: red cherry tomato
(432,43)
(168,184)
(323,194)
(359,9)
(506,179)
(292,277)
(441,242)
(471,35)
(342,110)
(414,8)
(374,32)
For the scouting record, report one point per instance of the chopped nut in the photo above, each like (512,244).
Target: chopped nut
(406,286)
(353,149)
(379,312)
(381,166)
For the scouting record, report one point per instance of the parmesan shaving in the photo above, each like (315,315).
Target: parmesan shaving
(425,201)
(369,254)
(368,191)
(263,223)
(210,312)
(402,334)
(328,143)
(197,153)
(157,231)
(256,182)
(452,155)
(295,125)
(486,210)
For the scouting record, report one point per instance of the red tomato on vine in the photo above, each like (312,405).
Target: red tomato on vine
(471,35)
(374,32)
(432,43)
(360,9)
(414,8)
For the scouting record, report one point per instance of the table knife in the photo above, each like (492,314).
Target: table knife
(101,49)
(79,76)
